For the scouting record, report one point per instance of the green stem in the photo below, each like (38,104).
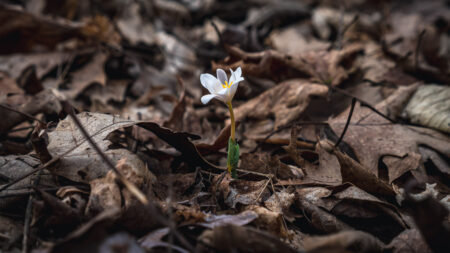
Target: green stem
(233,147)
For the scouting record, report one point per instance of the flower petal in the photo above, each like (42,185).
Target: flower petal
(210,83)
(236,75)
(206,98)
(232,91)
(222,76)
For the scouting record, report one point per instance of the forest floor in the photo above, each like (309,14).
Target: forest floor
(343,123)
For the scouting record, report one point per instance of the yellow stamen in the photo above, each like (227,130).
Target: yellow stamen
(227,85)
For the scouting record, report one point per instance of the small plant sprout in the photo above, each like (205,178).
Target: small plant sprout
(223,89)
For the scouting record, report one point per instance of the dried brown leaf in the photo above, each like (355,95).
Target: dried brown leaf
(372,137)
(241,239)
(284,102)
(343,242)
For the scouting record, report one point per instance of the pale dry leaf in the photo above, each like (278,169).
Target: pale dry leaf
(269,220)
(292,41)
(240,219)
(280,201)
(15,64)
(133,28)
(430,106)
(83,164)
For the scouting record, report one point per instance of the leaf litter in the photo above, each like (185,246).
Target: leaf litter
(342,122)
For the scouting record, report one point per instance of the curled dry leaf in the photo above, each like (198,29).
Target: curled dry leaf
(73,197)
(269,221)
(280,201)
(318,218)
(284,102)
(246,192)
(107,193)
(357,207)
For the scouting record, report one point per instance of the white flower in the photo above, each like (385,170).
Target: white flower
(220,88)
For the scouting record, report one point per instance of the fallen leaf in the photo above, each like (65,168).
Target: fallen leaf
(357,174)
(43,102)
(241,219)
(92,72)
(409,240)
(13,167)
(270,221)
(286,102)
(83,163)
(372,137)
(134,29)
(430,106)
(343,242)
(242,239)
(154,239)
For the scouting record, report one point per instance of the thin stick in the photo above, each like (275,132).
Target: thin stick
(263,188)
(363,103)
(219,34)
(419,44)
(22,113)
(347,123)
(28,214)
(279,129)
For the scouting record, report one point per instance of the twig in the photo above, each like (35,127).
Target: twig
(219,34)
(31,117)
(279,129)
(170,213)
(343,30)
(347,123)
(263,188)
(20,129)
(364,103)
(28,214)
(419,44)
